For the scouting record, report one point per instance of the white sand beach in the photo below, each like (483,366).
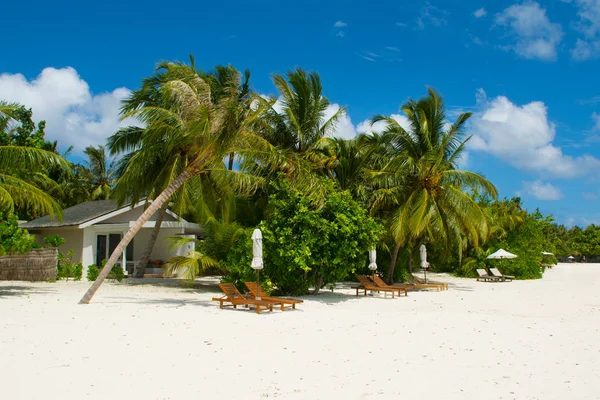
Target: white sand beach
(519,340)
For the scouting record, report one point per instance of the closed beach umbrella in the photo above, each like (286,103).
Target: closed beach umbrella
(372,259)
(257,254)
(424,263)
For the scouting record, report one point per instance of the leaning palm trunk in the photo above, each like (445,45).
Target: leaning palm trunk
(154,207)
(140,268)
(390,277)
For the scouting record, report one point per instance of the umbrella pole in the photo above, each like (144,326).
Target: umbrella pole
(425,272)
(258,283)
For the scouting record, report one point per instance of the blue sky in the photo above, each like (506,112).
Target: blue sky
(527,70)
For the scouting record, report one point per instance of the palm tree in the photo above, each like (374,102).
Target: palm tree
(297,128)
(20,169)
(185,119)
(420,190)
(159,168)
(103,171)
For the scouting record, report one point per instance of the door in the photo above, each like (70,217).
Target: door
(100,249)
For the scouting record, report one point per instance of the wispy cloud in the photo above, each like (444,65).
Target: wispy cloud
(368,58)
(480,13)
(542,190)
(392,48)
(340,24)
(591,100)
(534,36)
(401,24)
(432,15)
(340,34)
(588,25)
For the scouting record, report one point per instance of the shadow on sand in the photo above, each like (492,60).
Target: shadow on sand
(16,290)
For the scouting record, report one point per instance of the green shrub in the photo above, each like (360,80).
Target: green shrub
(54,241)
(12,238)
(116,273)
(66,268)
(92,272)
(306,243)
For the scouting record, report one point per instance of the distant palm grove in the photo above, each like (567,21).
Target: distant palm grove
(219,154)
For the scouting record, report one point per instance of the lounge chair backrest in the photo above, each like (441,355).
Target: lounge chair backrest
(378,281)
(495,272)
(255,289)
(364,281)
(230,290)
(482,272)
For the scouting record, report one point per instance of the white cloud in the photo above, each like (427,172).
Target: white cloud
(523,136)
(378,127)
(73,115)
(340,34)
(392,48)
(596,119)
(535,37)
(480,13)
(542,190)
(431,15)
(343,128)
(401,24)
(589,196)
(584,50)
(340,24)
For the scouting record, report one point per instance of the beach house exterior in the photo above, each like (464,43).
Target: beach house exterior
(93,230)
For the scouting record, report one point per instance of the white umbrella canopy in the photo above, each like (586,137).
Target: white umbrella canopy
(257,255)
(372,259)
(501,254)
(424,263)
(257,252)
(545,253)
(423,253)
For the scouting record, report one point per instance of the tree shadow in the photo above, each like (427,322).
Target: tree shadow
(18,290)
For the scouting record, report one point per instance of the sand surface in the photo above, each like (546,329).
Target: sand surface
(520,340)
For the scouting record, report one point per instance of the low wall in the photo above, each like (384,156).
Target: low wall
(35,265)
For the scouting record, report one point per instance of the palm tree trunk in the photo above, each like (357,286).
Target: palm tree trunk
(140,268)
(390,277)
(410,255)
(231,158)
(154,207)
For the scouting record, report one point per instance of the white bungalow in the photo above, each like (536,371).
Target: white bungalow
(93,230)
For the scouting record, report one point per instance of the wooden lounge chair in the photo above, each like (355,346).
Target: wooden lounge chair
(415,283)
(366,284)
(498,274)
(257,291)
(381,284)
(419,281)
(233,296)
(483,276)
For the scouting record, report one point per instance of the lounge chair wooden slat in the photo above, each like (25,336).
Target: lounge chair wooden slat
(366,284)
(257,291)
(380,283)
(495,272)
(233,296)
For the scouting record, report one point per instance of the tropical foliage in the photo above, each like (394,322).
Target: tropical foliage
(208,147)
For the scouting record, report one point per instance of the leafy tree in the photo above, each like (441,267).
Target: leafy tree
(102,170)
(306,244)
(12,238)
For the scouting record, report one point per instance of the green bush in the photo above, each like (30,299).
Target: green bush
(116,273)
(92,272)
(306,243)
(12,238)
(66,268)
(54,241)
